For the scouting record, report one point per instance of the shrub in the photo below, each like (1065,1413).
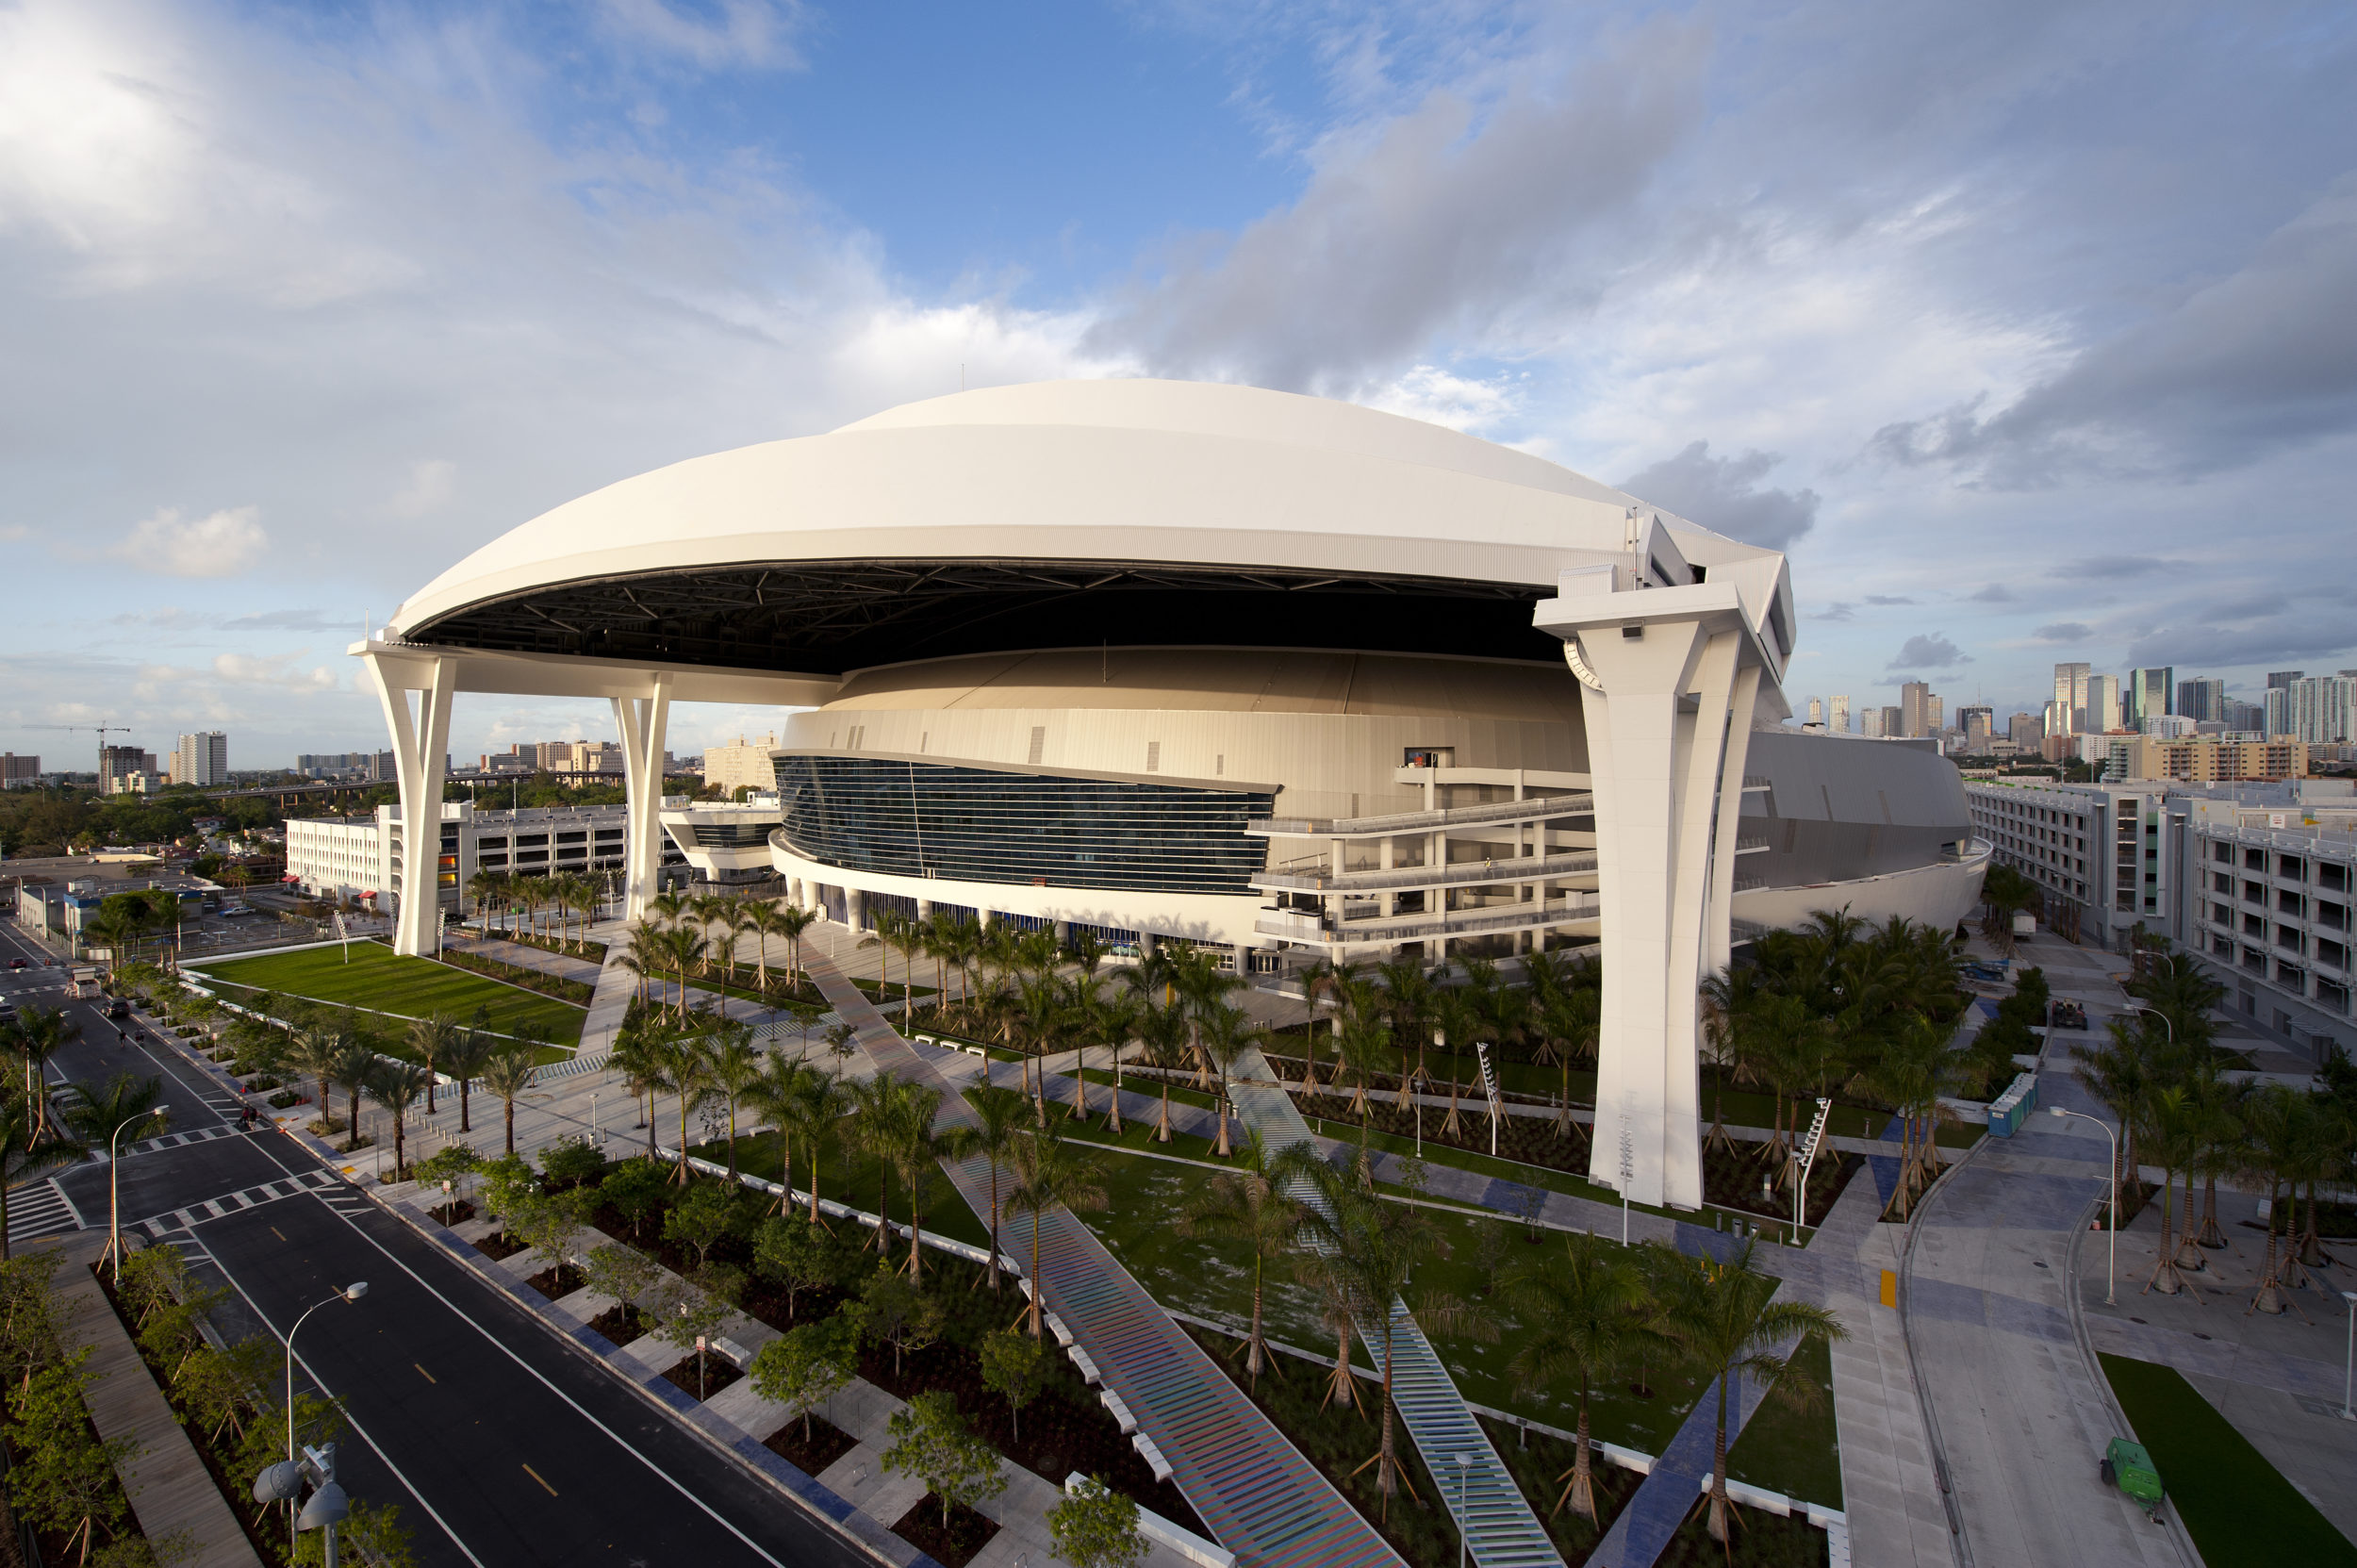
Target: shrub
(636,1188)
(931,1442)
(807,1365)
(1095,1526)
(702,1218)
(571,1164)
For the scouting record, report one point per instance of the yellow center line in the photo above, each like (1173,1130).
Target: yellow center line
(424,1373)
(535,1476)
(273,1231)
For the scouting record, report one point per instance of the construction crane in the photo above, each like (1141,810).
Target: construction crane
(103,731)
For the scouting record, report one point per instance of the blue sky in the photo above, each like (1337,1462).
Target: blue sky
(2030,329)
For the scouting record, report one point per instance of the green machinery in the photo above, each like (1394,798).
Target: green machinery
(2127,1466)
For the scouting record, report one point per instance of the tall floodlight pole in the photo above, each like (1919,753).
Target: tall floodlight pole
(353,1292)
(2111,1288)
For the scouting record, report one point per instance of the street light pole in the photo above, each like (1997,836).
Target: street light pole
(1464,1470)
(353,1292)
(114,1188)
(2111,1286)
(2136,1007)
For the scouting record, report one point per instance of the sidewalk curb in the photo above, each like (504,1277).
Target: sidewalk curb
(2187,1551)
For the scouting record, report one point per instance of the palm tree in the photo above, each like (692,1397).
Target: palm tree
(35,1034)
(482,888)
(1583,1314)
(1365,1044)
(122,1102)
(919,1143)
(1226,1033)
(682,1072)
(1049,1173)
(1456,1013)
(508,1074)
(431,1038)
(637,1055)
(1251,1205)
(731,1066)
(815,1118)
(1374,1248)
(25,1150)
(771,1098)
(354,1064)
(463,1060)
(875,1103)
(1201,984)
(997,1130)
(396,1085)
(311,1052)
(792,922)
(1163,1032)
(1721,1318)
(682,947)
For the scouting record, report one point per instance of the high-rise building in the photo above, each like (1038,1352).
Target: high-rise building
(1840,724)
(117,763)
(1979,724)
(1915,708)
(2320,710)
(1816,716)
(1870,722)
(2279,679)
(744,764)
(202,758)
(2240,718)
(2025,730)
(1934,719)
(2100,715)
(2201,698)
(2151,694)
(2070,699)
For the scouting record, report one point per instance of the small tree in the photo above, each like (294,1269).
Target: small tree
(508,1182)
(370,1533)
(455,1163)
(1015,1366)
(807,1365)
(571,1164)
(1095,1526)
(893,1310)
(791,1251)
(702,1218)
(64,1478)
(691,1318)
(553,1222)
(620,1272)
(931,1442)
(636,1188)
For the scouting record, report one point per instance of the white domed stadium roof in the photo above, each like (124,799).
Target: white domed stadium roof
(982,519)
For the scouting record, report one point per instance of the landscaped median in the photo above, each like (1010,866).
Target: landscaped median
(848,1356)
(370,978)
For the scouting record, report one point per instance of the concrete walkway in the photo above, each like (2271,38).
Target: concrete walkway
(171,1492)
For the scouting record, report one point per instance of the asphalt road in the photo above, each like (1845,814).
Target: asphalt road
(502,1444)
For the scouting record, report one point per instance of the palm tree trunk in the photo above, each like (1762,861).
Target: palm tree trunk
(1162,1133)
(511,1128)
(1719,1469)
(1223,1149)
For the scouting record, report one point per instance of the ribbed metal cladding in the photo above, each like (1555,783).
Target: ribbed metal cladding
(731,836)
(973,824)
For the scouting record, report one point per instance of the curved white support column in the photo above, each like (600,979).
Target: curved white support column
(421,761)
(1670,678)
(642,721)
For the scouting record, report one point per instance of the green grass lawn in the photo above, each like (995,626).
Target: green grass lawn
(379,981)
(2239,1509)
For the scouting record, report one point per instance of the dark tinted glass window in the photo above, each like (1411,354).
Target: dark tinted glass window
(971,824)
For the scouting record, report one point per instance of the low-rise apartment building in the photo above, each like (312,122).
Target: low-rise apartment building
(350,859)
(2098,852)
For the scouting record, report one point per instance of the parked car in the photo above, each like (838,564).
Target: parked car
(118,1009)
(16,964)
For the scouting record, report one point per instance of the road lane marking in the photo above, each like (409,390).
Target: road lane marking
(427,1376)
(535,1476)
(545,1381)
(318,1382)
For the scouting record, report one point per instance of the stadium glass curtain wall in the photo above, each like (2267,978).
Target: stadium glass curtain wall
(971,824)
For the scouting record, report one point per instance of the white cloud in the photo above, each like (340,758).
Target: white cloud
(753,33)
(431,483)
(219,544)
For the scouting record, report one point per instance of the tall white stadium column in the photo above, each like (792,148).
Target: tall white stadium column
(643,721)
(1669,674)
(421,761)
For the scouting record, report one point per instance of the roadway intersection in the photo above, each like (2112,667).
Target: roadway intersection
(501,1442)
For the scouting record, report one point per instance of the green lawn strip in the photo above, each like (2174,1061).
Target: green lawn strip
(384,982)
(1198,1276)
(855,1181)
(2239,1509)
(1790,1444)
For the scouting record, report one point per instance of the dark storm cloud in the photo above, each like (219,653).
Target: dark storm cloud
(1723,494)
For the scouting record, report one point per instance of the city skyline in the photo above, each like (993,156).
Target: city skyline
(1804,313)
